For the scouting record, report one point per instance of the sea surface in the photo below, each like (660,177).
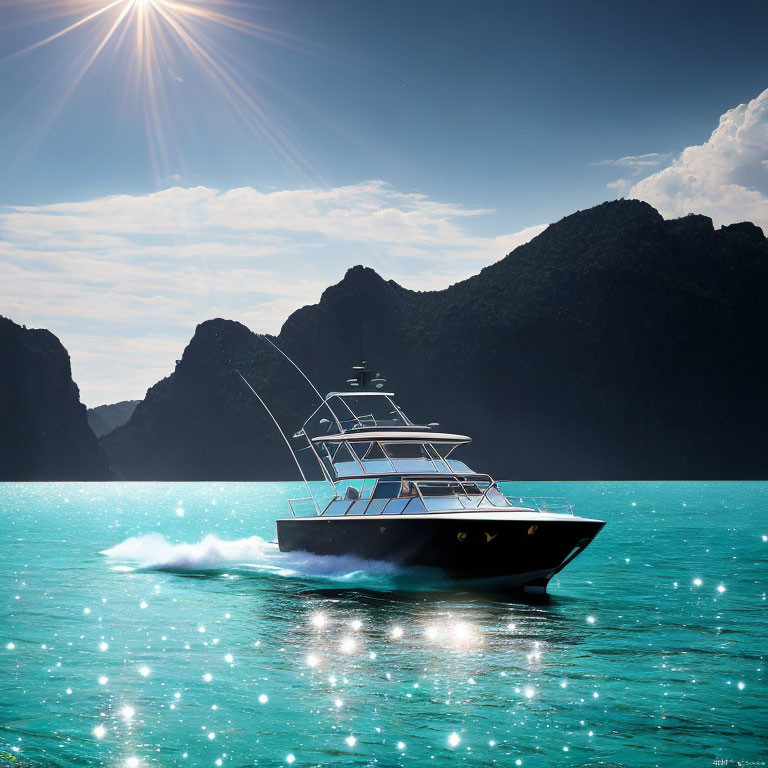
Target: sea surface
(155,624)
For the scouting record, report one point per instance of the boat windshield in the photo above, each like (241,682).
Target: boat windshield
(403,495)
(383,457)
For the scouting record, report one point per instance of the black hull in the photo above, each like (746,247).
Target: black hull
(511,554)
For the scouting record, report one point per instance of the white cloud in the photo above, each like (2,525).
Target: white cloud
(368,211)
(123,280)
(725,178)
(638,163)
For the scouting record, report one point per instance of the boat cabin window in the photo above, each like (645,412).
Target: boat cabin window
(340,453)
(387,489)
(406,450)
(438,488)
(385,492)
(352,490)
(368,451)
(352,498)
(444,450)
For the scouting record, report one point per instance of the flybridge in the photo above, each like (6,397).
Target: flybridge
(363,432)
(366,452)
(366,458)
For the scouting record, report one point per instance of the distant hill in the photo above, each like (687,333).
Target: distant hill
(44,433)
(615,345)
(104,418)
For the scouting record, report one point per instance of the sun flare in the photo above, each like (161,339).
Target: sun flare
(155,45)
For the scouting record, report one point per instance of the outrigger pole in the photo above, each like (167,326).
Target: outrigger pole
(323,401)
(306,378)
(282,434)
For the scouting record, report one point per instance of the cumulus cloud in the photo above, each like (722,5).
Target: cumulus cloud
(123,280)
(725,178)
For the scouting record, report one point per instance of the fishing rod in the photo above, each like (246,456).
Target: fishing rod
(280,430)
(323,401)
(306,378)
(325,472)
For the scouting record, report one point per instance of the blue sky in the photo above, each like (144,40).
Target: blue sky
(425,139)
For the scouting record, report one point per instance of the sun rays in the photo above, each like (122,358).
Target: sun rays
(153,46)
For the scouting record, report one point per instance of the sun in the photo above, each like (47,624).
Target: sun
(149,41)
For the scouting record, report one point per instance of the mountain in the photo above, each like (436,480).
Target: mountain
(615,345)
(201,422)
(45,433)
(104,418)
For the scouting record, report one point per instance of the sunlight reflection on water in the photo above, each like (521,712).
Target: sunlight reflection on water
(237,654)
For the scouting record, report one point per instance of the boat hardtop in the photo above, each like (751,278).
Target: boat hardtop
(389,434)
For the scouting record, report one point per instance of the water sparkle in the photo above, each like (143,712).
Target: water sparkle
(352,667)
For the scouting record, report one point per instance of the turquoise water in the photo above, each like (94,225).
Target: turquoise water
(194,643)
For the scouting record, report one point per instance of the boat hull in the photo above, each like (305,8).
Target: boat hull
(497,551)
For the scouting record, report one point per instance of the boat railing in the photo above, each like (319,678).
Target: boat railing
(365,421)
(420,504)
(557,505)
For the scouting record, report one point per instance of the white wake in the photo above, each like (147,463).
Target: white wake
(155,552)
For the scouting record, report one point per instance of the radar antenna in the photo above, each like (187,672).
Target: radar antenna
(365,378)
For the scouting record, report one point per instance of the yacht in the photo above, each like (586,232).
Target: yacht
(400,495)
